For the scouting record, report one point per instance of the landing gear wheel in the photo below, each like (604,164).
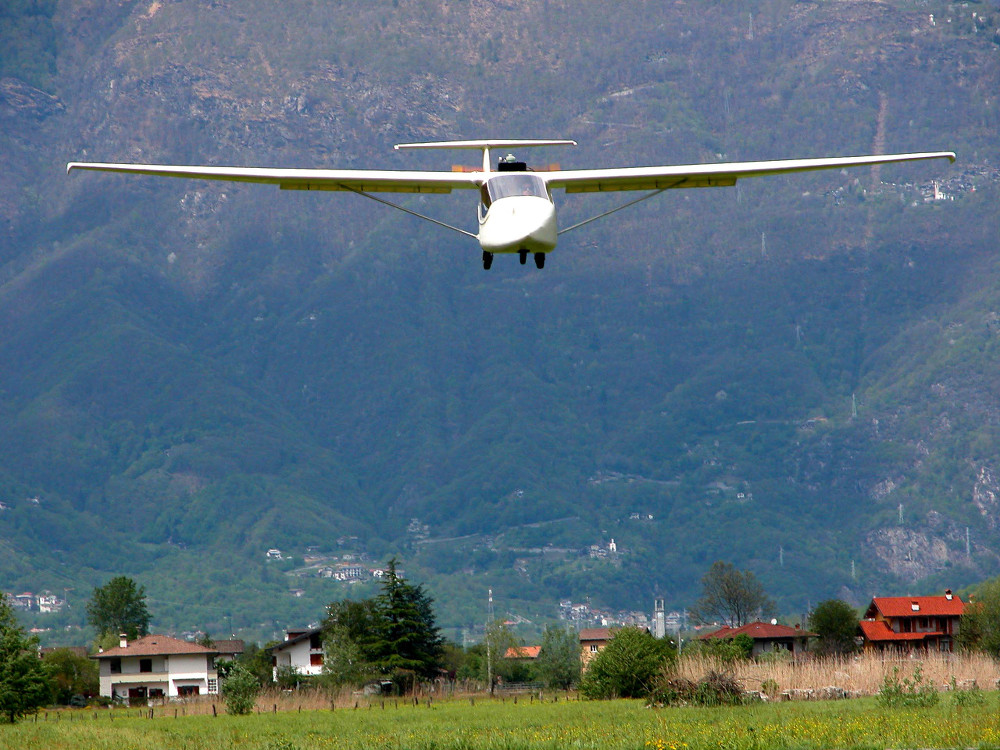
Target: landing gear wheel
(523,256)
(487,260)
(539,260)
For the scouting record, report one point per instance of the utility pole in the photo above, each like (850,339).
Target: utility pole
(489,659)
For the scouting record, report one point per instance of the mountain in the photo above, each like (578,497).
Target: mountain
(797,375)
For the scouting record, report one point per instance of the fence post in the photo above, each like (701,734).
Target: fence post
(214,712)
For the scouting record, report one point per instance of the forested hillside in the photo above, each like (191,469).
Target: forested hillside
(797,375)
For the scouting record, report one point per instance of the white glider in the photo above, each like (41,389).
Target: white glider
(516,210)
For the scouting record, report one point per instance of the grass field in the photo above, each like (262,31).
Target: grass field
(495,725)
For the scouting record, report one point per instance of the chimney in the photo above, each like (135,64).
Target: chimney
(123,641)
(948,594)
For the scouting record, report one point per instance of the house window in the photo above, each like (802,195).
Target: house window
(593,648)
(116,665)
(315,641)
(213,686)
(316,660)
(186,691)
(145,665)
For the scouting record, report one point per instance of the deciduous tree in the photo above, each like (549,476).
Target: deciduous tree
(979,628)
(119,606)
(559,659)
(732,596)
(836,624)
(70,675)
(497,640)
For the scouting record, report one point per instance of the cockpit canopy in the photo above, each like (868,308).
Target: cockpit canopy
(511,184)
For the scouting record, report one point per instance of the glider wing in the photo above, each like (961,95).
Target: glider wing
(352,180)
(710,175)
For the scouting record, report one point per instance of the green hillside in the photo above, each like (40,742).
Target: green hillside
(797,375)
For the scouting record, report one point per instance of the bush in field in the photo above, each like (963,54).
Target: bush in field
(627,667)
(714,689)
(240,690)
(971,697)
(909,692)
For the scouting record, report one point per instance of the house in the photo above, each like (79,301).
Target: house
(302,651)
(157,666)
(25,602)
(912,623)
(592,640)
(229,649)
(767,637)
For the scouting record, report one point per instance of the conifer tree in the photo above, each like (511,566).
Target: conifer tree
(407,638)
(23,682)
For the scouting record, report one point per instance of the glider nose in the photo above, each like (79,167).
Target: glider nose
(519,223)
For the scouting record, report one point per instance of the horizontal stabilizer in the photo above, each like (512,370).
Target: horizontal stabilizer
(485,144)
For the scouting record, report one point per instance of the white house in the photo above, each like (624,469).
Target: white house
(302,650)
(157,666)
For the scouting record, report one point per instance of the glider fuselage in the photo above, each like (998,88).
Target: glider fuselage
(516,214)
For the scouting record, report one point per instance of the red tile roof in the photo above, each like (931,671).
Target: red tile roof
(155,645)
(523,652)
(878,630)
(916,606)
(759,631)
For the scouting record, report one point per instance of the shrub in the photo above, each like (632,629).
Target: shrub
(627,667)
(909,692)
(714,689)
(239,690)
(770,688)
(971,697)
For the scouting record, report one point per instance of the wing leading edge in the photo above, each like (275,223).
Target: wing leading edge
(352,180)
(711,175)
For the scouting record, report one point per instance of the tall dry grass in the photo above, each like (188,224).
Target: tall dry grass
(274,699)
(863,674)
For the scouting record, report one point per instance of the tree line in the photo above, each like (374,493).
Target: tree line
(392,641)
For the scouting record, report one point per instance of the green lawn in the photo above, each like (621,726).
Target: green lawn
(505,726)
